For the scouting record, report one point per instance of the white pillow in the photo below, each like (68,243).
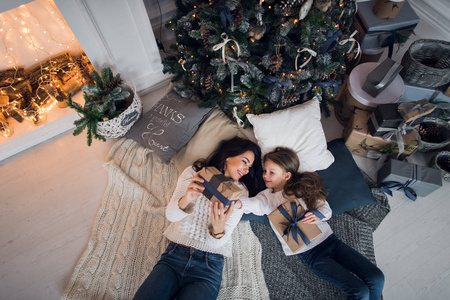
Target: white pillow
(297,127)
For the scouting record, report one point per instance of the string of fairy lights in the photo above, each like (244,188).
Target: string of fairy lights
(35,37)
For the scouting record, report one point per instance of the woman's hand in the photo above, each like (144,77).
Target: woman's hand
(219,216)
(310,218)
(193,191)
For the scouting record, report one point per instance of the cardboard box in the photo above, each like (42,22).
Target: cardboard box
(281,223)
(359,140)
(374,32)
(423,180)
(381,77)
(387,9)
(218,187)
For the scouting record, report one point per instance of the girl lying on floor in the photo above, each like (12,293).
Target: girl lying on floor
(327,256)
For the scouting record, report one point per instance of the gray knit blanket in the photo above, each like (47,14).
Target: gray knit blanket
(288,278)
(127,241)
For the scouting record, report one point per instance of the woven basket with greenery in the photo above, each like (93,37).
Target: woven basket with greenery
(427,63)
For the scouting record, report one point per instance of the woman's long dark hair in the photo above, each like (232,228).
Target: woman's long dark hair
(305,185)
(230,148)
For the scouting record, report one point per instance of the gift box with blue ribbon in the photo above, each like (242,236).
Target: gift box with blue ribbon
(413,179)
(374,32)
(218,187)
(287,219)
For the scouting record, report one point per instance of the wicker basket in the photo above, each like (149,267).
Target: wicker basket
(427,63)
(444,135)
(440,162)
(120,125)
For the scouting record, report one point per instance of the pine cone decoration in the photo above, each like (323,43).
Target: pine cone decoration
(187,26)
(204,32)
(276,62)
(238,15)
(113,84)
(209,83)
(256,31)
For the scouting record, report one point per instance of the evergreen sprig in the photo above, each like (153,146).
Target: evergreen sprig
(104,100)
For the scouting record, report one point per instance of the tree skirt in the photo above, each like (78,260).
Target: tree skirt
(288,278)
(127,241)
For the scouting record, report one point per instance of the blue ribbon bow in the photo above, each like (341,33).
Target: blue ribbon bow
(210,190)
(225,15)
(292,227)
(327,83)
(273,82)
(331,41)
(409,192)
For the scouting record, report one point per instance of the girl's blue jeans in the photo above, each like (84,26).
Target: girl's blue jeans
(183,273)
(346,268)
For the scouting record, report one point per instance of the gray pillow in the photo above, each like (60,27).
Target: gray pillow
(168,125)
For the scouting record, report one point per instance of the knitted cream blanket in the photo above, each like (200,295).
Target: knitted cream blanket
(127,241)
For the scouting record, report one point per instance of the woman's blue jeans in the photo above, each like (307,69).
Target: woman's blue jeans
(343,266)
(183,273)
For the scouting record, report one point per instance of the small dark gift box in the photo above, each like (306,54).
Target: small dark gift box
(218,187)
(287,219)
(385,118)
(412,178)
(381,77)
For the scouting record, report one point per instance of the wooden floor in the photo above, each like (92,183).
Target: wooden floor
(50,195)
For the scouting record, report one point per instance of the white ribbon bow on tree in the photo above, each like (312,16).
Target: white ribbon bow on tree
(222,45)
(352,39)
(238,120)
(300,50)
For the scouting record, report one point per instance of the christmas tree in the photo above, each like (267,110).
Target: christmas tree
(257,56)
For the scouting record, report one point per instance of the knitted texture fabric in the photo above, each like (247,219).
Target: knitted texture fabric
(127,236)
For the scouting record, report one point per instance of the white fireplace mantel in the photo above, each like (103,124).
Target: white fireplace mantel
(113,33)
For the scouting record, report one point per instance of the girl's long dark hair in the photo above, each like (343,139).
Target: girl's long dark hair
(230,148)
(305,185)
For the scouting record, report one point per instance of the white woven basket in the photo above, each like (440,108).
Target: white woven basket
(120,125)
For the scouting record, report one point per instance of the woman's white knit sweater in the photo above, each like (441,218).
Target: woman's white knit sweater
(191,226)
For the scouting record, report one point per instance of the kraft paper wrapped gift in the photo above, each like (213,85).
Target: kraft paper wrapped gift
(287,220)
(415,111)
(385,9)
(387,117)
(357,98)
(400,174)
(359,140)
(374,32)
(381,77)
(218,187)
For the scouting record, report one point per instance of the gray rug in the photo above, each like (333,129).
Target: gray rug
(288,278)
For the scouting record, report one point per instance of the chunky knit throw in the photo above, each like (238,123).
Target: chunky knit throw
(127,241)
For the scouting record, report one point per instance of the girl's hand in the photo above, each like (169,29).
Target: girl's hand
(219,216)
(310,218)
(193,191)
